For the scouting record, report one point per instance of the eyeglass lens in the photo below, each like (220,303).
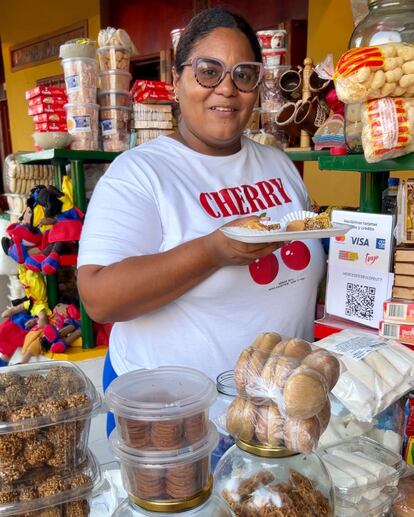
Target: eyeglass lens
(209,73)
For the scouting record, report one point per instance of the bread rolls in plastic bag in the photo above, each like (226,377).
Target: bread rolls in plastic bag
(375,72)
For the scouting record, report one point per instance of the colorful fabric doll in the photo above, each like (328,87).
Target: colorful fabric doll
(23,314)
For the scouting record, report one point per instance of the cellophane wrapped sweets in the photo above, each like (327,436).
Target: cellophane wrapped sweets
(375,72)
(387,128)
(283,387)
(403,506)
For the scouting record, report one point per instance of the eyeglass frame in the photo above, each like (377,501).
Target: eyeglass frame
(226,70)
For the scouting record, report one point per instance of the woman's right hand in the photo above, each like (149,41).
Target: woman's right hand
(229,252)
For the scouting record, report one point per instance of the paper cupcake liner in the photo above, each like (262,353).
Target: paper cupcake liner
(295,216)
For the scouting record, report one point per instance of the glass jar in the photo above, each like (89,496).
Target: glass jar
(259,480)
(214,507)
(387,21)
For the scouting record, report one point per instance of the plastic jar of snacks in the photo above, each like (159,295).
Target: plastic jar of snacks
(174,479)
(213,507)
(46,411)
(115,128)
(82,122)
(114,58)
(264,481)
(163,408)
(52,492)
(114,98)
(80,79)
(115,80)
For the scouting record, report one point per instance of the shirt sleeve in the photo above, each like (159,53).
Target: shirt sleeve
(122,219)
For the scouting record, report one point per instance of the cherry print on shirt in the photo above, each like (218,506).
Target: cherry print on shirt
(264,270)
(296,255)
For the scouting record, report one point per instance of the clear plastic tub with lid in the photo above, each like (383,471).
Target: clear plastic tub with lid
(265,481)
(80,78)
(115,127)
(213,507)
(114,80)
(53,493)
(161,409)
(114,98)
(82,121)
(363,472)
(114,58)
(161,480)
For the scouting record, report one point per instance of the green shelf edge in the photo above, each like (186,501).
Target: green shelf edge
(305,156)
(67,154)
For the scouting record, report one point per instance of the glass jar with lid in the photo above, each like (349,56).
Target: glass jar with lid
(387,21)
(213,507)
(258,480)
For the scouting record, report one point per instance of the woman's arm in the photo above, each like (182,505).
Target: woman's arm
(137,285)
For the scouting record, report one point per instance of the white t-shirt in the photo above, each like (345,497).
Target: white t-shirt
(161,194)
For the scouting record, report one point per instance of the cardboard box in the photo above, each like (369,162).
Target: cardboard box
(407,210)
(404,293)
(45,90)
(404,281)
(404,268)
(402,311)
(403,332)
(404,255)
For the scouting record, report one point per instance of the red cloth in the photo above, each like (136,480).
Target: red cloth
(11,337)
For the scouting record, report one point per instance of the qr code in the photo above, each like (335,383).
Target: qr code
(360,301)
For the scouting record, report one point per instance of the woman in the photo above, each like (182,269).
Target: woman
(152,257)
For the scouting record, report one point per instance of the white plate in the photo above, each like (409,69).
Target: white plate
(257,236)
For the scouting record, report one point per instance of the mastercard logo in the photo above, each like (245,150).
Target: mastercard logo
(340,238)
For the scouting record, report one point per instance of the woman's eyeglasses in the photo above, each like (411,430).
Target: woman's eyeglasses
(210,72)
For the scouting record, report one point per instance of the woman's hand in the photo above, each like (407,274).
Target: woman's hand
(226,252)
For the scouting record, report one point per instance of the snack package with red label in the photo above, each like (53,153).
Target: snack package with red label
(52,101)
(375,72)
(59,118)
(45,108)
(45,127)
(45,90)
(152,91)
(387,128)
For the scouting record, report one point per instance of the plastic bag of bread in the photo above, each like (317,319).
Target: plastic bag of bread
(387,128)
(288,373)
(403,505)
(264,425)
(375,72)
(374,372)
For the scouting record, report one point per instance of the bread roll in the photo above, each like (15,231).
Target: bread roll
(326,364)
(266,341)
(277,370)
(302,435)
(269,426)
(279,349)
(297,348)
(324,416)
(241,419)
(305,393)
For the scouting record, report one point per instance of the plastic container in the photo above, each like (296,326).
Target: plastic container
(274,57)
(259,483)
(52,139)
(272,38)
(227,392)
(115,124)
(157,480)
(362,472)
(389,197)
(115,98)
(53,493)
(115,80)
(82,121)
(114,58)
(213,507)
(175,38)
(387,21)
(161,409)
(46,411)
(81,47)
(80,79)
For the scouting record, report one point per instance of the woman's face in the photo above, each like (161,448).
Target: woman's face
(212,119)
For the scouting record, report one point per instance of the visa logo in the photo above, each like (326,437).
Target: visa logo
(360,241)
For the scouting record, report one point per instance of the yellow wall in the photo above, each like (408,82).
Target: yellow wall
(21,20)
(329,28)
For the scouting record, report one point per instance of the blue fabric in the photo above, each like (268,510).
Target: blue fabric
(3,363)
(108,375)
(21,318)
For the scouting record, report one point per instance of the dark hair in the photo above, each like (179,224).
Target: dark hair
(204,23)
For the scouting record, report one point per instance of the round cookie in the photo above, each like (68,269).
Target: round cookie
(135,433)
(305,393)
(182,481)
(302,435)
(241,419)
(167,434)
(195,428)
(146,483)
(326,364)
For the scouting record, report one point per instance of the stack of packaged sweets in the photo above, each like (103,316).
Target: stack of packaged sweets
(114,99)
(152,107)
(80,70)
(381,79)
(46,467)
